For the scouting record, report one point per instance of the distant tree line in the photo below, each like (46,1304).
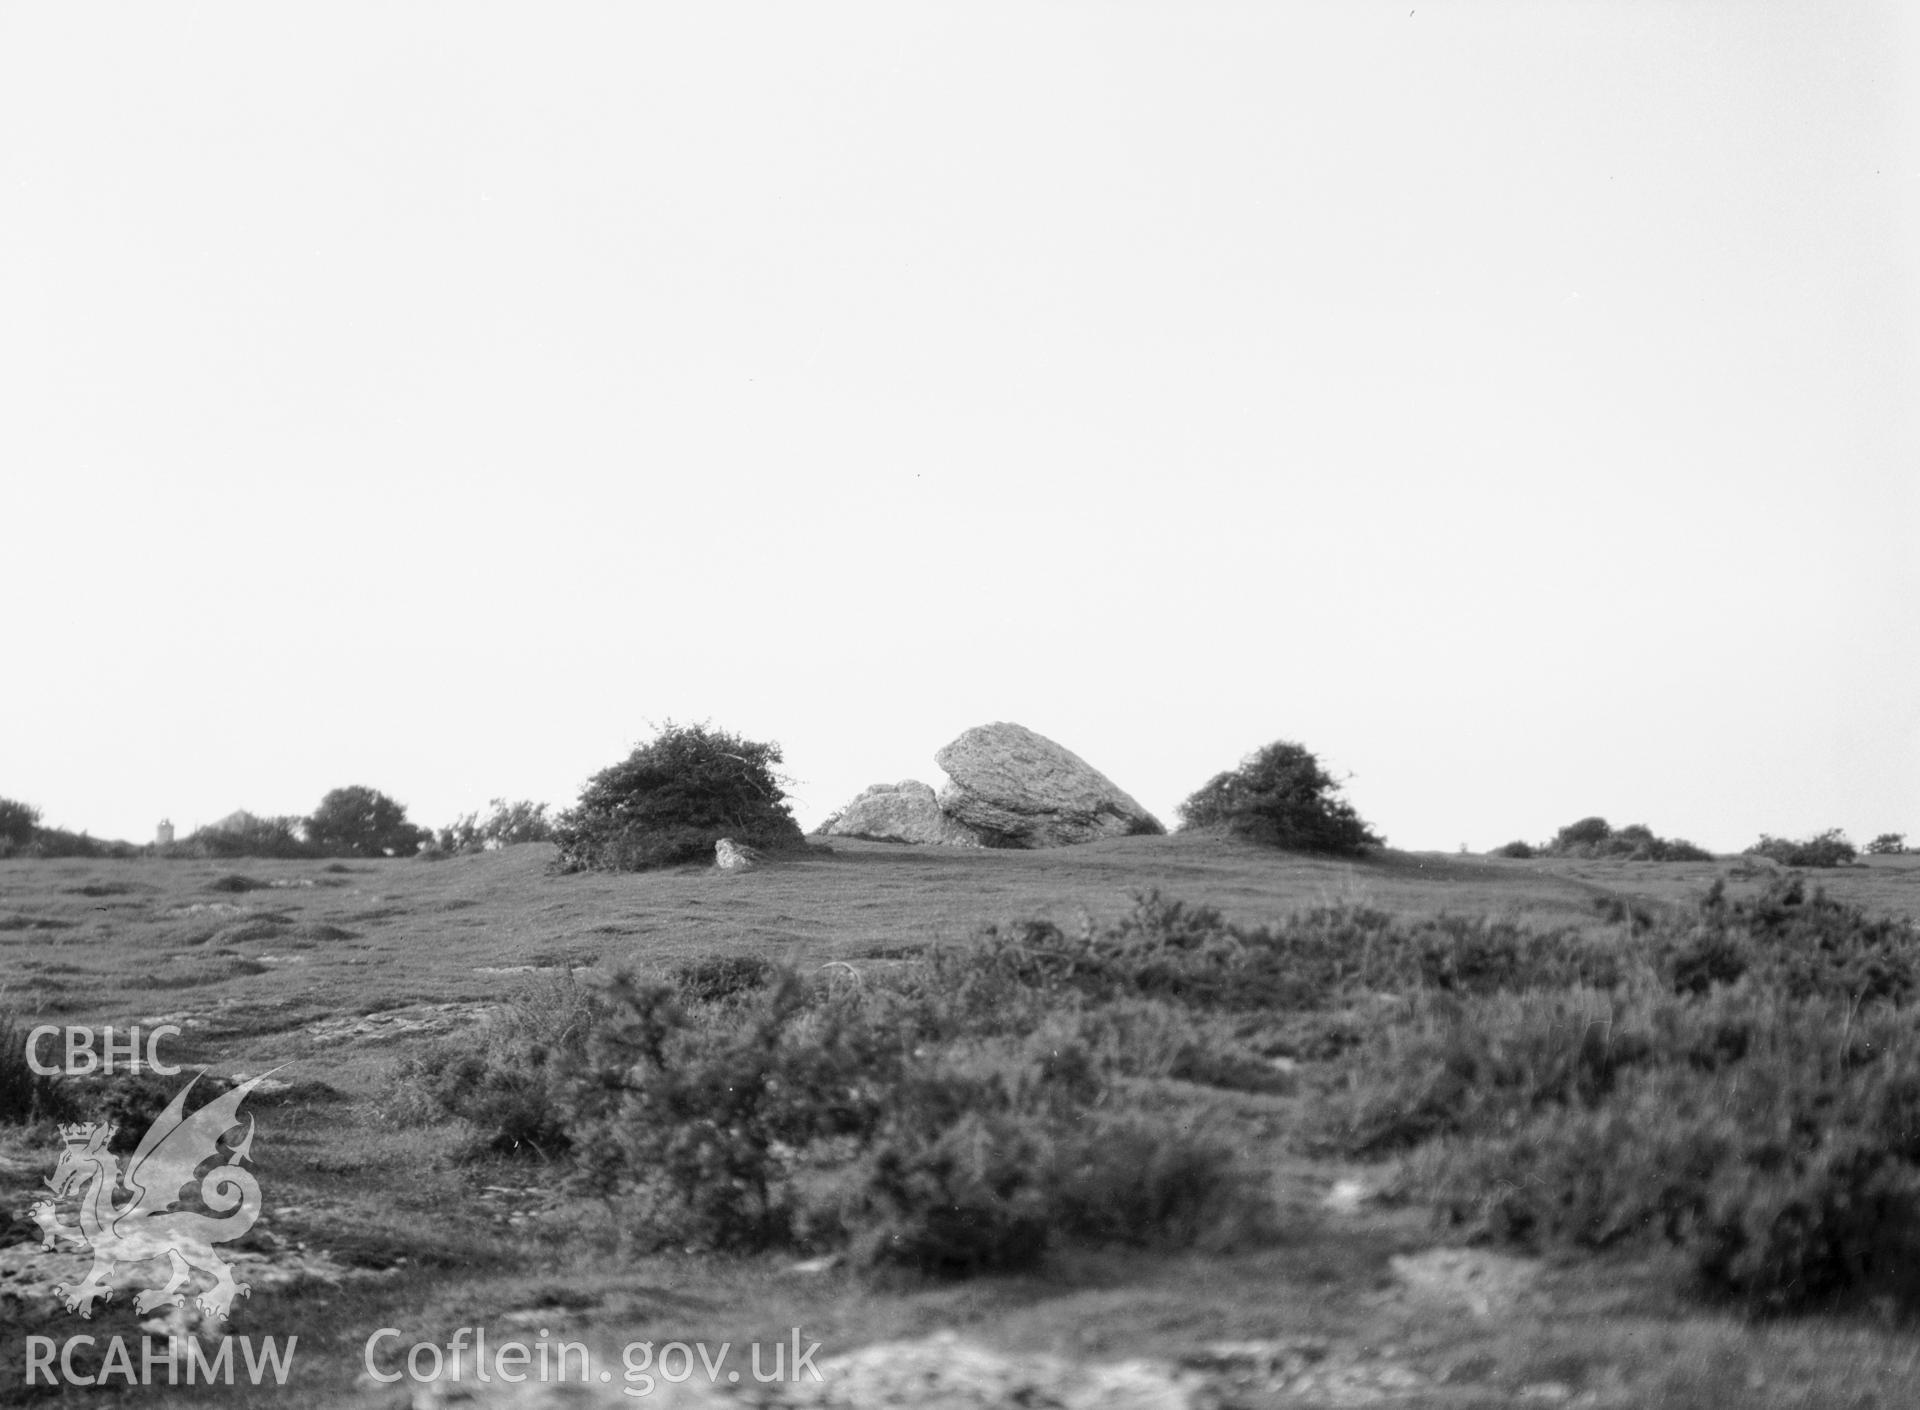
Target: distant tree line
(1592,837)
(355,821)
(672,799)
(1595,837)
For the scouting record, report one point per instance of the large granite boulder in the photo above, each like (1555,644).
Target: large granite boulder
(1020,789)
(899,812)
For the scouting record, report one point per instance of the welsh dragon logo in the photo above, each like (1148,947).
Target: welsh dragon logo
(146,1226)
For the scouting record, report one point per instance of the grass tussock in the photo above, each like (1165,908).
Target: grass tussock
(236,883)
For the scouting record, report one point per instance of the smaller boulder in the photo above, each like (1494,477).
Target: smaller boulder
(907,811)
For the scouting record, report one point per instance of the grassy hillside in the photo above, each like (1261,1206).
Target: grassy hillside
(337,973)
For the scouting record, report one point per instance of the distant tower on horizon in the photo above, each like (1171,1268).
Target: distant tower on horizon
(164,834)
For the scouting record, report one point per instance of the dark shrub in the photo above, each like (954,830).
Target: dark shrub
(505,825)
(244,835)
(1458,1066)
(947,1116)
(1585,833)
(1190,956)
(960,1199)
(58,842)
(1829,849)
(1596,838)
(1746,1086)
(1280,796)
(1137,1181)
(1678,849)
(1780,1159)
(26,1095)
(509,1085)
(671,800)
(17,822)
(237,883)
(696,1113)
(1806,946)
(363,822)
(987,1157)
(1888,844)
(724,977)
(1519,850)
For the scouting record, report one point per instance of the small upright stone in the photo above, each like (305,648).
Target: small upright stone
(729,855)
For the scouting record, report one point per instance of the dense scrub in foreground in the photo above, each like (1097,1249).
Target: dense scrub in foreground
(1746,1089)
(1738,1079)
(954,1119)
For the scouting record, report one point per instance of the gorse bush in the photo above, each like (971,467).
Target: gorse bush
(505,825)
(1888,844)
(1801,945)
(1746,1087)
(1772,1140)
(509,1083)
(1318,959)
(1587,832)
(724,977)
(1829,849)
(1281,797)
(1595,837)
(58,842)
(950,1117)
(17,822)
(21,835)
(669,801)
(993,1155)
(245,835)
(696,1115)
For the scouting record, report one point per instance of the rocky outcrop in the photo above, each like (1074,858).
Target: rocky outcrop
(1019,789)
(906,811)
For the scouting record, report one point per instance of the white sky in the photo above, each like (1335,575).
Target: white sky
(1514,403)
